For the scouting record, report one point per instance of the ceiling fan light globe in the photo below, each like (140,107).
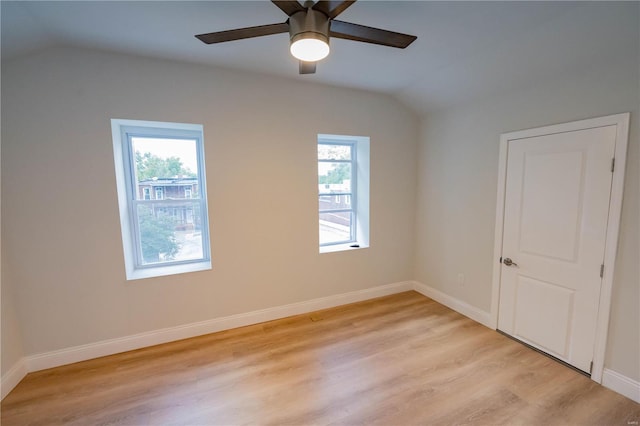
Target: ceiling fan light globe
(309,49)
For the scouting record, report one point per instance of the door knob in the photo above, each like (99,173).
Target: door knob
(509,262)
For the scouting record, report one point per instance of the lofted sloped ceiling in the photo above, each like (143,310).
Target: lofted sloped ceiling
(464,50)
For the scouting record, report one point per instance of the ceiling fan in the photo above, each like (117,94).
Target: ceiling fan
(309,28)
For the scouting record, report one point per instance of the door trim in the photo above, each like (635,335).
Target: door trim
(621,121)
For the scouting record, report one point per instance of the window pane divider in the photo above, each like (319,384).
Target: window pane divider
(169,201)
(334,161)
(335,211)
(331,194)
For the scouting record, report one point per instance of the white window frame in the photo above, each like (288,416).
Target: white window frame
(124,159)
(359,203)
(352,161)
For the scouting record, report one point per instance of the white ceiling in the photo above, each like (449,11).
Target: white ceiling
(464,50)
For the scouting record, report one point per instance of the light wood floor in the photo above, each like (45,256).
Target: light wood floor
(398,360)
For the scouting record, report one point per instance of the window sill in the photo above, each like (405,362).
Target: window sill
(160,271)
(341,247)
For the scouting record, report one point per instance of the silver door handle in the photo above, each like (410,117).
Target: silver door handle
(509,262)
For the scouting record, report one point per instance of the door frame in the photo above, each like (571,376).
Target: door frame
(621,121)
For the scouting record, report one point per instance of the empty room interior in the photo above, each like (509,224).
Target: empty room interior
(433,221)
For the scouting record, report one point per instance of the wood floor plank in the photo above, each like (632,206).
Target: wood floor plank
(398,360)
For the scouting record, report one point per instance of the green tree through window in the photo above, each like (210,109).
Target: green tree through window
(338,174)
(149,166)
(157,236)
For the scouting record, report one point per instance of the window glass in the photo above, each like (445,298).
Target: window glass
(334,177)
(337,216)
(335,227)
(334,152)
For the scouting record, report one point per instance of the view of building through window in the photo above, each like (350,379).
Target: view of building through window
(167,192)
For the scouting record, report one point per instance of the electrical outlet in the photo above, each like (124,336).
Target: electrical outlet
(461,279)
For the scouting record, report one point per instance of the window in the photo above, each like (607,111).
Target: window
(168,234)
(343,192)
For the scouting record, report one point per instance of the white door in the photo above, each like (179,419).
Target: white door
(555,224)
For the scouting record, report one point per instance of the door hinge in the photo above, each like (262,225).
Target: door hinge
(613,164)
(591,367)
(602,270)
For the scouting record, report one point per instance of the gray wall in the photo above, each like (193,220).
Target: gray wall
(60,223)
(11,340)
(458,172)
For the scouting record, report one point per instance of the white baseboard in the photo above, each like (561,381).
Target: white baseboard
(621,384)
(457,305)
(12,377)
(156,337)
(610,379)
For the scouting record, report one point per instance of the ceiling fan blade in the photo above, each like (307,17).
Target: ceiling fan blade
(288,7)
(305,67)
(349,31)
(332,8)
(240,33)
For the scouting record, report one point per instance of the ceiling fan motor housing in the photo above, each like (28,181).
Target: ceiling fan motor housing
(309,24)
